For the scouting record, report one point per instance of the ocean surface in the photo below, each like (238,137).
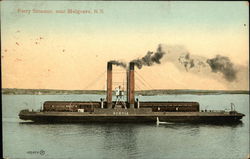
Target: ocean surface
(172,141)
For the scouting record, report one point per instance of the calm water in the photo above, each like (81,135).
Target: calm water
(173,141)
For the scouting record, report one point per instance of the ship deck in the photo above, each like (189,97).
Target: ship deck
(127,114)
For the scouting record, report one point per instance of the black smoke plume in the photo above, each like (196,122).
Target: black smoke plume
(150,58)
(224,65)
(187,61)
(119,63)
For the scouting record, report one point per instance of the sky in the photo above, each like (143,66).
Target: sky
(44,49)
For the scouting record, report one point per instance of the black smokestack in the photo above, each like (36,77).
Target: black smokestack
(118,63)
(109,85)
(150,58)
(224,65)
(131,85)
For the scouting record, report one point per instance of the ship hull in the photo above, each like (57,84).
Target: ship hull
(180,117)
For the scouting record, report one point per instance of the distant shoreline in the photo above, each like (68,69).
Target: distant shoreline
(14,91)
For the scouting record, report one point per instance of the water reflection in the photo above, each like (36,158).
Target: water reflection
(192,125)
(120,138)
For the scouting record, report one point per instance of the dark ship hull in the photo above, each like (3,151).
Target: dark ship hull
(130,116)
